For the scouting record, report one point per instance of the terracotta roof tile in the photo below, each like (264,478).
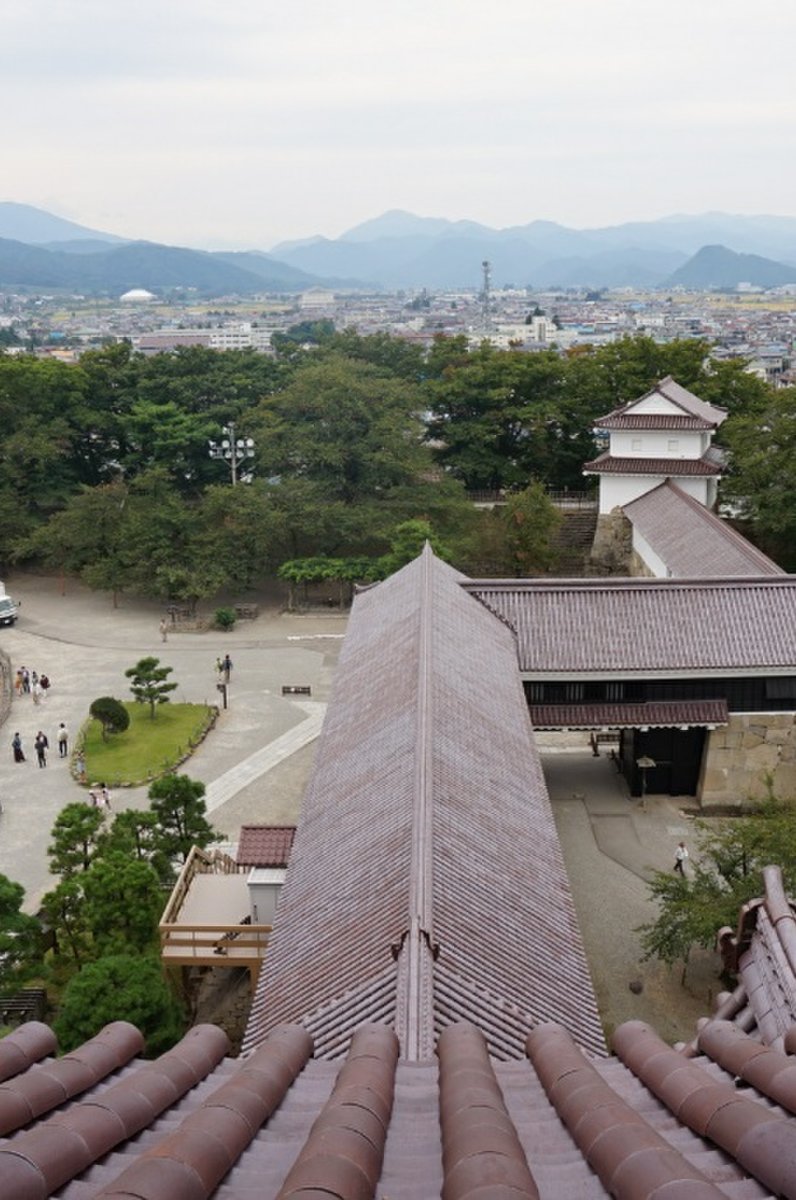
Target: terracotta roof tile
(24,1046)
(265,845)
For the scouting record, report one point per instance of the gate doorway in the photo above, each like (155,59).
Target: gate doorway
(677,754)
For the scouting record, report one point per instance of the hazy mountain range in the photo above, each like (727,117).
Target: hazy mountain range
(39,250)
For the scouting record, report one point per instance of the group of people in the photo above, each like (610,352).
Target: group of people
(41,744)
(99,796)
(30,683)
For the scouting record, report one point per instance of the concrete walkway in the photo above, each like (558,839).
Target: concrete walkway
(256,761)
(612,845)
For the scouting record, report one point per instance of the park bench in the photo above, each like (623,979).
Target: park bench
(247,612)
(295,690)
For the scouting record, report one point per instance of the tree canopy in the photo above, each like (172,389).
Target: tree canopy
(725,872)
(106,472)
(150,683)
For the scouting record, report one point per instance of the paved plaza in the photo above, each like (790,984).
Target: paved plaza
(255,762)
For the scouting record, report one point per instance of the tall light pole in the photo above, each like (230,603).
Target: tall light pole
(233,449)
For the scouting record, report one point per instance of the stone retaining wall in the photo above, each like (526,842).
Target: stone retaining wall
(740,758)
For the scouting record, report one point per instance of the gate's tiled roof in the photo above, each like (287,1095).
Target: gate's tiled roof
(613,627)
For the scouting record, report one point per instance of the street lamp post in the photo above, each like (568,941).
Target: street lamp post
(233,449)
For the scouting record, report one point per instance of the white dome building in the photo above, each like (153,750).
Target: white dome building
(137,296)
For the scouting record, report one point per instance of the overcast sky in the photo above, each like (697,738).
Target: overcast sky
(222,123)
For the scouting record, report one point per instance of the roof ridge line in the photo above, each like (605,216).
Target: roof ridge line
(415,963)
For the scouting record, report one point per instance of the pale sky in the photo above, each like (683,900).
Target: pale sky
(238,123)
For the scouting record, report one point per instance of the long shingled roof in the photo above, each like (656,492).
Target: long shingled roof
(426,883)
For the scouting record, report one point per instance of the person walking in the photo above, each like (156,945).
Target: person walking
(63,740)
(25,680)
(80,767)
(164,630)
(16,746)
(227,667)
(41,745)
(104,796)
(680,858)
(18,682)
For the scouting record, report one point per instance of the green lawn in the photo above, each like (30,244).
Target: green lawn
(148,748)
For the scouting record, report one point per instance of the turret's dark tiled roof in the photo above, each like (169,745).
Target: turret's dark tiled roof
(607,464)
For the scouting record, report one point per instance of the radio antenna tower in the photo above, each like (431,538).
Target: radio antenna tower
(486,292)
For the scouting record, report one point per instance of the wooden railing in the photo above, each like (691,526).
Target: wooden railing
(198,862)
(241,943)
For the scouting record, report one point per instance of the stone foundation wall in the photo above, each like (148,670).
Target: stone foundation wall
(739,759)
(612,547)
(559,741)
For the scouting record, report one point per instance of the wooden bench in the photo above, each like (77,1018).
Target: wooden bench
(292,690)
(247,612)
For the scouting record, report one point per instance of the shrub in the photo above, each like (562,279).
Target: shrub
(111,714)
(224,618)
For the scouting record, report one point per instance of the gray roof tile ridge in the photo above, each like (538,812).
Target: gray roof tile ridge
(480,1145)
(41,1160)
(629,1156)
(760,1139)
(343,1154)
(415,958)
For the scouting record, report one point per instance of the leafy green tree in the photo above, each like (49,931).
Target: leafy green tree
(498,417)
(407,542)
(111,714)
(150,683)
(19,933)
(64,917)
(178,804)
(725,873)
(120,987)
(75,837)
(531,522)
(134,834)
(123,904)
(761,481)
(344,424)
